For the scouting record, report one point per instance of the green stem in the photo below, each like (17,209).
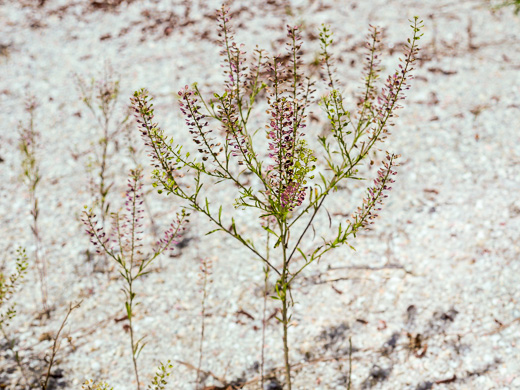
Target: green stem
(264,312)
(286,344)
(55,348)
(349,363)
(130,312)
(202,325)
(134,358)
(285,308)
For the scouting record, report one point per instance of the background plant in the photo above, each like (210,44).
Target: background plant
(101,99)
(205,279)
(125,247)
(56,344)
(159,381)
(90,385)
(28,145)
(8,286)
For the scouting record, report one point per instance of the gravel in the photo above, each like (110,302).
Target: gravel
(429,299)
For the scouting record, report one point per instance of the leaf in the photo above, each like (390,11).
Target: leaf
(139,348)
(323,179)
(303,254)
(266,228)
(142,273)
(128,311)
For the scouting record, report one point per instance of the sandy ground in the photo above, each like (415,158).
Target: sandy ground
(430,298)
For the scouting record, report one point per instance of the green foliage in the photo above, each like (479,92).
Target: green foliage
(90,385)
(511,3)
(160,381)
(8,286)
(28,146)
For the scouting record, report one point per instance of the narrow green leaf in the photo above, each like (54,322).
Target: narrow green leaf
(212,231)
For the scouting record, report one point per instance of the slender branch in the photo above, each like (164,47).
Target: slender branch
(56,346)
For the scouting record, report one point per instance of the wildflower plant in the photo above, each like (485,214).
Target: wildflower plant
(285,180)
(101,99)
(28,145)
(124,246)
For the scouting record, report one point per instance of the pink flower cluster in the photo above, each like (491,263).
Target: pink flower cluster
(365,215)
(152,135)
(197,123)
(124,241)
(282,147)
